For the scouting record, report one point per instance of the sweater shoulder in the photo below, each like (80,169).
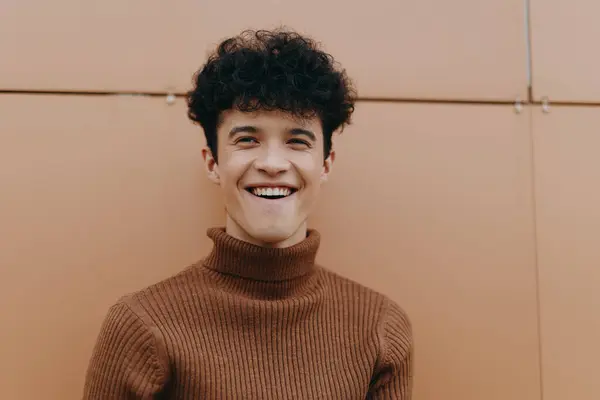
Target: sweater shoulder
(339,282)
(383,305)
(128,344)
(164,294)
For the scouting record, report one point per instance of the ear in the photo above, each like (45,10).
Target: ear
(327,165)
(212,169)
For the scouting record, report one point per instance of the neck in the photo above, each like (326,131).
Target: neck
(235,230)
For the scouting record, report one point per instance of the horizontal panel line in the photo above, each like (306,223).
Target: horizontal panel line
(85,93)
(569,103)
(181,95)
(360,99)
(435,101)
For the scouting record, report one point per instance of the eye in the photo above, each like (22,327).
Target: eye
(300,143)
(246,140)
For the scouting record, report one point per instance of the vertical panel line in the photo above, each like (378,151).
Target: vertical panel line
(536,257)
(527,14)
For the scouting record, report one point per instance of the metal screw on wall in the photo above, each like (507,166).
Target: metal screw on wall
(545,105)
(518,106)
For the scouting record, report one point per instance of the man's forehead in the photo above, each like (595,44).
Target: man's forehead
(269,118)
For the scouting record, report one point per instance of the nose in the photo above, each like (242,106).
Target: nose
(272,162)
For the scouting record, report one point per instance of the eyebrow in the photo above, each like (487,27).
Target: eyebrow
(252,129)
(245,128)
(304,132)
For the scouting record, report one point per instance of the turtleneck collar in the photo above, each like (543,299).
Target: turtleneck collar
(236,257)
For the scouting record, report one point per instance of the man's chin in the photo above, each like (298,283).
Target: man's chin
(267,233)
(279,236)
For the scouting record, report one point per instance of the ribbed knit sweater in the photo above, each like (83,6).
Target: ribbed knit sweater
(251,322)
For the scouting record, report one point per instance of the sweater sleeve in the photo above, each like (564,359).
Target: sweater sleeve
(125,362)
(393,375)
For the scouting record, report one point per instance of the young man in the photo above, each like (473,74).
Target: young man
(257,318)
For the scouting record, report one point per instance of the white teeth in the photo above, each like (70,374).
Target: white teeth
(270,192)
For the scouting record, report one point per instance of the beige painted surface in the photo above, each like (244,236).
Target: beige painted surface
(566,61)
(106,195)
(568,215)
(100,196)
(432,204)
(464,49)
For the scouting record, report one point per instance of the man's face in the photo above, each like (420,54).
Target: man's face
(270,169)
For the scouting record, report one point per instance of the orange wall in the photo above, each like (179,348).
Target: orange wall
(483,223)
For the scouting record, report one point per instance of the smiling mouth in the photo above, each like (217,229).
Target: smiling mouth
(271,193)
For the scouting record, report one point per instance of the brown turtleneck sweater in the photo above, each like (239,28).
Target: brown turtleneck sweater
(251,322)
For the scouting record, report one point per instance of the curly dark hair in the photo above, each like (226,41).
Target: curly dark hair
(271,70)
